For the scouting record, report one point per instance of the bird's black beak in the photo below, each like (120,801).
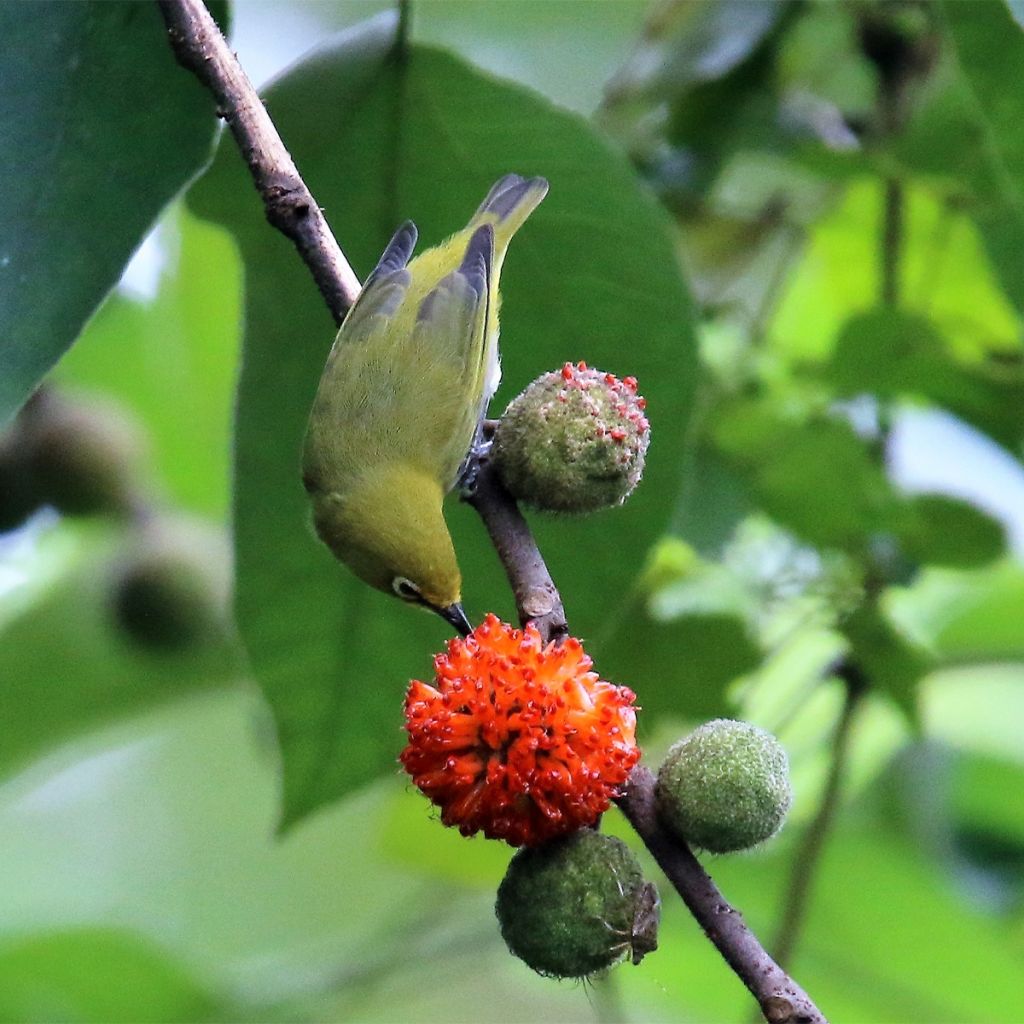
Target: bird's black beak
(457,617)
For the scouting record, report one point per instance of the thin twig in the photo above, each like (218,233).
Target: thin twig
(537,598)
(805,864)
(781,999)
(201,48)
(292,209)
(892,242)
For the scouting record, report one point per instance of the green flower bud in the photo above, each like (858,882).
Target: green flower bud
(165,596)
(724,787)
(83,458)
(573,441)
(577,905)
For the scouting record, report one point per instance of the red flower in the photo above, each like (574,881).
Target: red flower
(517,740)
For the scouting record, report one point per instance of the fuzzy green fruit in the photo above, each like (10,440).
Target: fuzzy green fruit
(577,905)
(83,459)
(165,596)
(724,787)
(574,441)
(18,499)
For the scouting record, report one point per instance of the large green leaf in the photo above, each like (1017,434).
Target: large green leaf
(791,465)
(100,975)
(967,616)
(895,354)
(98,129)
(593,276)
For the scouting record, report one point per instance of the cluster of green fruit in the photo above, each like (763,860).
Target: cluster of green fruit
(580,905)
(85,459)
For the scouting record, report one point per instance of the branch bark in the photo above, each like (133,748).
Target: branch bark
(781,999)
(290,208)
(201,48)
(537,598)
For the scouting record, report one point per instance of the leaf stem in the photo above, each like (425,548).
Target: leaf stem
(892,242)
(805,864)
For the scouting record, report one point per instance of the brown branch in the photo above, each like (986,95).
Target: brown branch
(537,598)
(805,864)
(781,999)
(201,48)
(290,207)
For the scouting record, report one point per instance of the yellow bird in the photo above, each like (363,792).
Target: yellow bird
(401,398)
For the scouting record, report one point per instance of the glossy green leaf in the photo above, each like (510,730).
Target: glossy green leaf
(379,141)
(98,976)
(100,128)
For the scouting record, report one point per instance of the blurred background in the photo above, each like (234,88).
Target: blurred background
(799,224)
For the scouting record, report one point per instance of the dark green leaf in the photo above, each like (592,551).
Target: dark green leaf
(793,469)
(893,353)
(939,530)
(99,128)
(593,276)
(680,667)
(890,661)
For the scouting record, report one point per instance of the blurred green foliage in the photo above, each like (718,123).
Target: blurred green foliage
(840,183)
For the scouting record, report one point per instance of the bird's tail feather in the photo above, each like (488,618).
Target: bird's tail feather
(511,200)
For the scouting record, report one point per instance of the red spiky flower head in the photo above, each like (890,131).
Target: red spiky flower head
(518,740)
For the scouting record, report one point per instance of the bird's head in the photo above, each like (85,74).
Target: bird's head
(389,529)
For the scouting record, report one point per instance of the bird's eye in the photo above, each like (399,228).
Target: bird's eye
(406,589)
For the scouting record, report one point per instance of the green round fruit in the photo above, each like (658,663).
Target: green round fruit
(724,787)
(165,596)
(18,498)
(574,441)
(83,459)
(577,905)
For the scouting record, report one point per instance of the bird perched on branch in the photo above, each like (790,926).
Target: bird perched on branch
(401,398)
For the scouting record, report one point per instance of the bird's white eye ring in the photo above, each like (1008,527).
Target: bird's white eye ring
(406,589)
